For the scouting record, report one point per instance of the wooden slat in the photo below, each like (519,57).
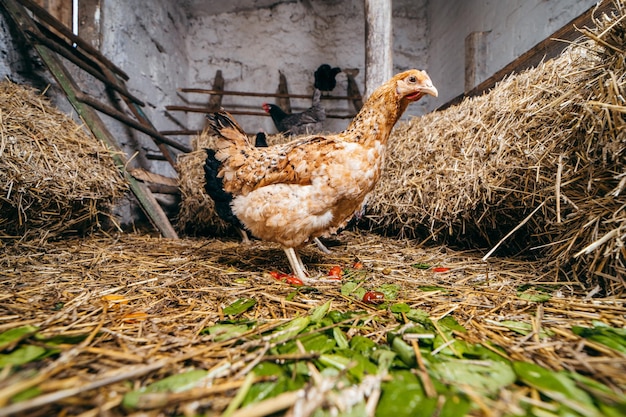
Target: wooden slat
(256,94)
(546,49)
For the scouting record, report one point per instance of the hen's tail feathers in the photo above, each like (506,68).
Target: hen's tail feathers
(230,137)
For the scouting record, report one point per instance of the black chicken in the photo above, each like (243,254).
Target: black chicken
(325,77)
(309,121)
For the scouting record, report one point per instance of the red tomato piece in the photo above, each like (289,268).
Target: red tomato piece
(335,271)
(373,297)
(441,269)
(291,280)
(358,265)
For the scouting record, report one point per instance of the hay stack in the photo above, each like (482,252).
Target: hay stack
(542,154)
(54,177)
(197,211)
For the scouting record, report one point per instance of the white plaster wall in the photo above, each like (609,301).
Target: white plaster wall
(514,27)
(146,39)
(251,47)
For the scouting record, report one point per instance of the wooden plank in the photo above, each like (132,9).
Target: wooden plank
(546,49)
(378,44)
(215,100)
(109,111)
(256,94)
(192,109)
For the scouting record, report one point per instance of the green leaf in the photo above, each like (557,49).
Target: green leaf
(486,377)
(450,322)
(522,328)
(290,329)
(340,338)
(534,296)
(400,308)
(239,306)
(225,331)
(390,291)
(384,358)
(557,386)
(403,396)
(404,350)
(431,288)
(22,355)
(455,406)
(175,383)
(318,313)
(350,289)
(15,335)
(362,344)
(421,265)
(418,315)
(607,336)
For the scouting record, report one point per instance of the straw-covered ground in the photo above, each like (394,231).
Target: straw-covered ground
(104,325)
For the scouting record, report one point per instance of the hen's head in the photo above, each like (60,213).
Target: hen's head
(266,107)
(413,84)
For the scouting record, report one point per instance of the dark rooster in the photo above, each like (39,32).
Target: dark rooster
(312,186)
(325,77)
(309,121)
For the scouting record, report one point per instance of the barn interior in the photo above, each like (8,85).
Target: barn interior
(485,277)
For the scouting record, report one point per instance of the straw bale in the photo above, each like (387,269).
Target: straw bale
(541,154)
(55,177)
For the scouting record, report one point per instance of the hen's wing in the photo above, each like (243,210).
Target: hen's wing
(291,163)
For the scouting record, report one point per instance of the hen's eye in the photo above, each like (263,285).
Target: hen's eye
(412,79)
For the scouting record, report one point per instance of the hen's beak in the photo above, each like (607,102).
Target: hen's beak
(429,88)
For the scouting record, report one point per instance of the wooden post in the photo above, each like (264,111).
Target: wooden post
(353,88)
(475,59)
(283,102)
(378,44)
(215,101)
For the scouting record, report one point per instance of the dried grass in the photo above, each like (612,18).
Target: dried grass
(55,178)
(549,140)
(144,301)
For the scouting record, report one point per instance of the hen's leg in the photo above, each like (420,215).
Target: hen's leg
(321,246)
(297,266)
(244,237)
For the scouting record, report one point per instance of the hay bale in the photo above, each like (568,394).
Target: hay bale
(55,178)
(541,154)
(197,214)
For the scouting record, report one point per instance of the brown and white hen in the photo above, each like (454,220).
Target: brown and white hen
(312,186)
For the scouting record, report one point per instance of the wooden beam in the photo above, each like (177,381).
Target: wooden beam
(550,47)
(378,44)
(256,94)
